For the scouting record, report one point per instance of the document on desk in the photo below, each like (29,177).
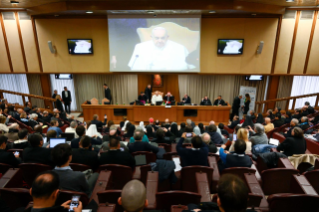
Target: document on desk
(177,162)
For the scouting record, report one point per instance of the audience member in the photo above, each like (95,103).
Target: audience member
(260,119)
(196,130)
(144,138)
(166,124)
(207,140)
(69,179)
(181,130)
(243,119)
(234,123)
(288,117)
(28,107)
(58,103)
(39,129)
(304,123)
(150,131)
(246,104)
(3,123)
(72,129)
(242,134)
(138,145)
(248,122)
(189,134)
(310,109)
(115,155)
(130,128)
(7,157)
(112,134)
(195,156)
(258,135)
(56,117)
(83,155)
(304,111)
(109,124)
(98,123)
(297,114)
(174,130)
(36,153)
(22,143)
(33,121)
(55,127)
(12,134)
(270,114)
(123,122)
(190,122)
(46,117)
(214,136)
(252,115)
(45,191)
(278,122)
(269,126)
(24,119)
(160,137)
(294,122)
(295,144)
(277,111)
(80,130)
(201,127)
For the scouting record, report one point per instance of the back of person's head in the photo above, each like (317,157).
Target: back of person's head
(278,115)
(55,115)
(151,120)
(35,140)
(197,142)
(269,111)
(240,146)
(22,133)
(307,103)
(133,197)
(73,124)
(206,138)
(157,122)
(242,134)
(95,116)
(267,120)
(183,125)
(259,128)
(201,126)
(61,154)
(189,128)
(110,123)
(45,184)
(38,129)
(26,104)
(189,122)
(288,114)
(3,119)
(138,135)
(212,128)
(128,125)
(85,141)
(80,130)
(160,133)
(114,143)
(221,126)
(53,122)
(294,122)
(232,193)
(51,134)
(298,132)
(304,119)
(23,115)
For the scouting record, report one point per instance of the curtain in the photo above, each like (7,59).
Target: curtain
(14,82)
(284,90)
(59,84)
(304,85)
(123,87)
(35,88)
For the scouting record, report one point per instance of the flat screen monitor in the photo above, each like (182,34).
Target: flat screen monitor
(230,46)
(159,103)
(56,141)
(254,77)
(80,46)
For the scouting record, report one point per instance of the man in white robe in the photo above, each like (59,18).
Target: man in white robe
(159,53)
(156,98)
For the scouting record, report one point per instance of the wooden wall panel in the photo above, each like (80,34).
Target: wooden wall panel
(14,45)
(284,46)
(59,30)
(313,63)
(301,46)
(29,46)
(4,67)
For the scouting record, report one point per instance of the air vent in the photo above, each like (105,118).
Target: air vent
(289,14)
(306,15)
(24,16)
(8,16)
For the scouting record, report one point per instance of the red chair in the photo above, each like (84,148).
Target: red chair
(277,180)
(312,146)
(230,131)
(15,197)
(111,196)
(169,155)
(317,164)
(167,147)
(65,195)
(164,200)
(239,171)
(4,168)
(282,128)
(31,170)
(269,134)
(120,174)
(313,177)
(79,167)
(293,202)
(278,136)
(188,174)
(11,179)
(150,156)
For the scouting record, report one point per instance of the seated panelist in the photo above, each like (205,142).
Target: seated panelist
(219,101)
(168,98)
(142,97)
(156,98)
(205,101)
(186,99)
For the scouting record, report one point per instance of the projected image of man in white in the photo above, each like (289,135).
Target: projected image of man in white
(160,53)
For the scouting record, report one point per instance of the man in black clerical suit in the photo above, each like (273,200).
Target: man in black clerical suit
(142,97)
(168,98)
(66,98)
(107,93)
(219,101)
(186,99)
(205,101)
(235,106)
(148,93)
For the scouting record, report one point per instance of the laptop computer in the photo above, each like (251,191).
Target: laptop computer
(56,141)
(159,103)
(67,136)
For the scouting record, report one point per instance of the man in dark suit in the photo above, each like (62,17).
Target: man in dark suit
(205,101)
(142,97)
(310,109)
(107,93)
(168,98)
(138,145)
(27,108)
(234,123)
(235,106)
(80,130)
(85,156)
(67,99)
(7,157)
(116,156)
(36,153)
(278,122)
(304,123)
(55,92)
(148,93)
(219,101)
(98,123)
(186,99)
(293,124)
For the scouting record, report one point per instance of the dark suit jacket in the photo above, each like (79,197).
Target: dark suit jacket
(107,94)
(59,105)
(46,119)
(33,123)
(37,155)
(293,145)
(310,110)
(222,102)
(236,105)
(233,124)
(279,122)
(206,102)
(84,156)
(117,157)
(75,142)
(171,98)
(27,109)
(148,94)
(142,146)
(65,99)
(187,100)
(142,98)
(98,123)
(8,158)
(288,134)
(246,106)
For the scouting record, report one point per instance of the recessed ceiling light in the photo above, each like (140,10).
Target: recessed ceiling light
(180,11)
(88,12)
(212,11)
(253,14)
(56,15)
(150,11)
(14,2)
(118,11)
(290,0)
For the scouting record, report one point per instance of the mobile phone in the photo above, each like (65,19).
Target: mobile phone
(84,123)
(16,153)
(74,202)
(189,135)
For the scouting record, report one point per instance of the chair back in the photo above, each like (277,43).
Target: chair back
(269,134)
(313,146)
(169,155)
(188,174)
(31,170)
(230,131)
(278,136)
(167,147)
(282,128)
(313,177)
(277,180)
(4,168)
(239,171)
(120,174)
(149,156)
(293,202)
(15,197)
(66,195)
(111,196)
(164,200)
(79,167)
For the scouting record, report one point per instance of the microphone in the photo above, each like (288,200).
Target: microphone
(136,56)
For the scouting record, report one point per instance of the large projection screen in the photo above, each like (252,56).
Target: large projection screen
(154,44)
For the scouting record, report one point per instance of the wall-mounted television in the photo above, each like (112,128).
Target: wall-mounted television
(64,76)
(80,46)
(254,77)
(230,46)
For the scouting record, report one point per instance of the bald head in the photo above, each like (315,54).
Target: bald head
(133,196)
(267,120)
(206,138)
(20,111)
(211,123)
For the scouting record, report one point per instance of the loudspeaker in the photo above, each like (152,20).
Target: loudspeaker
(260,47)
(51,47)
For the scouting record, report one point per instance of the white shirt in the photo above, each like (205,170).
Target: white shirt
(66,93)
(71,130)
(155,99)
(147,56)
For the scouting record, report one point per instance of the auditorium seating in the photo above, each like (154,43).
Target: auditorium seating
(293,202)
(151,189)
(110,196)
(212,161)
(167,147)
(300,185)
(269,134)
(106,208)
(278,136)
(149,156)
(4,168)
(255,188)
(120,175)
(15,197)
(239,171)
(31,170)
(79,167)
(11,179)
(203,186)
(102,184)
(313,177)
(188,174)
(312,146)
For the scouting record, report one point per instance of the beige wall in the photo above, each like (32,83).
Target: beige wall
(4,63)
(313,64)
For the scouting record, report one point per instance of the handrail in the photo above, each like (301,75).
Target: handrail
(287,99)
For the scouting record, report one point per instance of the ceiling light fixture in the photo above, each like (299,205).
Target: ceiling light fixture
(212,11)
(118,11)
(253,14)
(150,12)
(290,0)
(14,2)
(89,12)
(56,15)
(180,11)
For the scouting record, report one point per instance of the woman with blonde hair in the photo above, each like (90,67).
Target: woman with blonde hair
(58,103)
(242,133)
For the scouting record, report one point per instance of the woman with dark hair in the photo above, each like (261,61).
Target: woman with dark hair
(10,110)
(248,122)
(246,103)
(130,130)
(150,131)
(182,130)
(174,129)
(58,103)
(201,127)
(288,117)
(295,144)
(260,118)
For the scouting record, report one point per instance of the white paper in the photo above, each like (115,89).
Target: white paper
(124,142)
(274,141)
(217,151)
(177,164)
